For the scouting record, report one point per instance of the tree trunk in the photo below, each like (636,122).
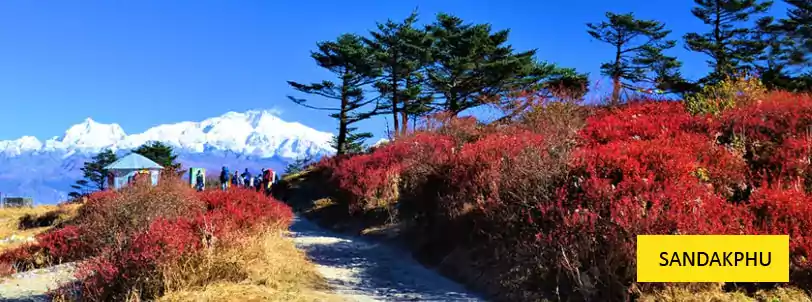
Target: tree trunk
(453,106)
(341,140)
(616,78)
(615,91)
(404,119)
(395,95)
(404,114)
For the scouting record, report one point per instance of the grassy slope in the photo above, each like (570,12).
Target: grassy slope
(266,266)
(10,221)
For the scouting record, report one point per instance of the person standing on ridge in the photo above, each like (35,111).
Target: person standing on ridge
(261,183)
(266,180)
(199,179)
(258,182)
(246,178)
(269,182)
(235,179)
(224,178)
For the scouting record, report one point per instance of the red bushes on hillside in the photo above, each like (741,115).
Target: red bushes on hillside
(122,239)
(572,215)
(134,263)
(368,178)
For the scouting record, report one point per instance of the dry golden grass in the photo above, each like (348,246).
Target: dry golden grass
(715,294)
(259,267)
(10,220)
(322,203)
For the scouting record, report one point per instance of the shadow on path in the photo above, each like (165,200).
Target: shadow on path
(363,270)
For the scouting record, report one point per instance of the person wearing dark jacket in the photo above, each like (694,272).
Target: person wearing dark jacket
(199,179)
(224,178)
(235,179)
(258,182)
(246,178)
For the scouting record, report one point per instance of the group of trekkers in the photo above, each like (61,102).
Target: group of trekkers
(262,181)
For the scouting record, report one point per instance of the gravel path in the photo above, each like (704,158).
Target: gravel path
(362,270)
(32,285)
(358,269)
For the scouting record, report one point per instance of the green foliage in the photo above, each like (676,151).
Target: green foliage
(726,94)
(729,44)
(788,45)
(638,55)
(355,141)
(298,165)
(352,63)
(161,154)
(94,174)
(402,52)
(798,26)
(471,64)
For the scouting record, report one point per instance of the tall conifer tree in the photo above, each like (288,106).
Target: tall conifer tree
(728,42)
(352,62)
(638,56)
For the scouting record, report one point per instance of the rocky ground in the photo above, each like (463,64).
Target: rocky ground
(32,285)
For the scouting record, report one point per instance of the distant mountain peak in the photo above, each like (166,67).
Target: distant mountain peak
(252,139)
(256,132)
(90,134)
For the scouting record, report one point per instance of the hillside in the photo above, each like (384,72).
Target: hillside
(253,140)
(548,206)
(167,242)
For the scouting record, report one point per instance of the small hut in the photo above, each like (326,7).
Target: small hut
(133,168)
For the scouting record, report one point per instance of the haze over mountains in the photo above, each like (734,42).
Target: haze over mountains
(254,139)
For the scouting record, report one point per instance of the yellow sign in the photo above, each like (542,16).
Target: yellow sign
(712,258)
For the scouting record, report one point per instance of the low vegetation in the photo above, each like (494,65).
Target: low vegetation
(19,224)
(562,193)
(173,244)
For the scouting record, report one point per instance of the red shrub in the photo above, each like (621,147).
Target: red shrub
(786,212)
(135,261)
(18,259)
(461,129)
(642,120)
(101,195)
(112,275)
(244,208)
(65,244)
(476,168)
(775,136)
(55,246)
(368,178)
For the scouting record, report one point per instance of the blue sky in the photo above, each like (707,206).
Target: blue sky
(148,62)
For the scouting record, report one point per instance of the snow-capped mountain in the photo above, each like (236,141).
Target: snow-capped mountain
(248,140)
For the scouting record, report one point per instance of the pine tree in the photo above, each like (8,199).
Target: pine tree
(161,154)
(94,174)
(472,65)
(775,62)
(354,144)
(353,64)
(729,45)
(638,47)
(402,51)
(786,53)
(299,165)
(798,27)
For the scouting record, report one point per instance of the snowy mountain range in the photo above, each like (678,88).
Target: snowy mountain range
(248,140)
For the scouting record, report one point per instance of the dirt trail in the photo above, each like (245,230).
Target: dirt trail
(361,270)
(358,270)
(33,285)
